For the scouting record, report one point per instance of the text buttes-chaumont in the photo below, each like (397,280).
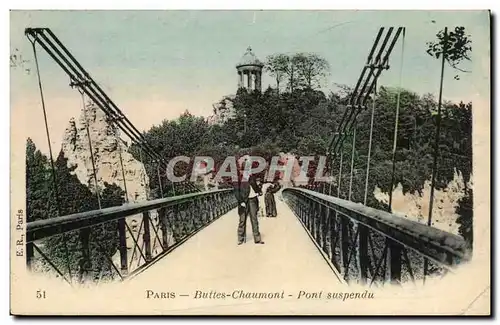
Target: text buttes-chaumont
(238,294)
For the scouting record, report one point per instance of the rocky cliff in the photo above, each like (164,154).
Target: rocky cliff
(107,146)
(416,207)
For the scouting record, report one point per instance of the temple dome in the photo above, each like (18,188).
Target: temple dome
(249,58)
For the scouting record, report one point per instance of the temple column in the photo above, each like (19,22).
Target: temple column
(240,79)
(258,81)
(249,82)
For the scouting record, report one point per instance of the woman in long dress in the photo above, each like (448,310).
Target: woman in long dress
(269,200)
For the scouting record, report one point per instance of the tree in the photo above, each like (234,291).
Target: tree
(276,66)
(284,66)
(465,211)
(66,250)
(38,182)
(299,70)
(455,45)
(311,68)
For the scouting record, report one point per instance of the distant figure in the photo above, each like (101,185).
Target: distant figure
(270,202)
(247,192)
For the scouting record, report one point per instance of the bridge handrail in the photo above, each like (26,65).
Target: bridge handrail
(440,246)
(41,229)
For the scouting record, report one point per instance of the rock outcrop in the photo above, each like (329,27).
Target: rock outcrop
(222,111)
(416,207)
(107,147)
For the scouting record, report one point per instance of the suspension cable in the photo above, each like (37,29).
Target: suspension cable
(118,143)
(370,144)
(54,178)
(340,172)
(396,123)
(91,149)
(159,179)
(352,160)
(143,176)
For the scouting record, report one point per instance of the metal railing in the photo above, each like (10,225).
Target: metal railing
(368,246)
(117,242)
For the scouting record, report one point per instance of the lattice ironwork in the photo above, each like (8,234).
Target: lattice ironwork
(123,239)
(370,246)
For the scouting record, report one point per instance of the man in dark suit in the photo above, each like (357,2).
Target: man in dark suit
(247,192)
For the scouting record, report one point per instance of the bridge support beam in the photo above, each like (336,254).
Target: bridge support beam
(344,237)
(123,246)
(363,258)
(325,216)
(146,237)
(162,217)
(395,250)
(85,264)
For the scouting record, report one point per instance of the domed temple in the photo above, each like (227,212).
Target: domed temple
(250,71)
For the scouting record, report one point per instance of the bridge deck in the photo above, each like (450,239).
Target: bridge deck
(212,261)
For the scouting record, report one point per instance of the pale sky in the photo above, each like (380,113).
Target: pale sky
(156,64)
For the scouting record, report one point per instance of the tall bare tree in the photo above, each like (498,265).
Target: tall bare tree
(452,47)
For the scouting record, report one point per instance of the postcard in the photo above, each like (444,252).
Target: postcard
(250,162)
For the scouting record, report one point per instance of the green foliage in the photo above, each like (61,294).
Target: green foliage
(38,182)
(181,137)
(66,251)
(464,210)
(300,70)
(455,45)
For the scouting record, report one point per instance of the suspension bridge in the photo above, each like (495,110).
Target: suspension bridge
(190,236)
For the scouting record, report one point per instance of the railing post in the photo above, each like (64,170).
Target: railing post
(85,263)
(175,223)
(146,237)
(195,213)
(206,209)
(312,217)
(344,237)
(299,206)
(318,222)
(162,218)
(309,217)
(332,230)
(217,205)
(334,234)
(123,246)
(363,257)
(325,227)
(395,250)
(226,204)
(212,207)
